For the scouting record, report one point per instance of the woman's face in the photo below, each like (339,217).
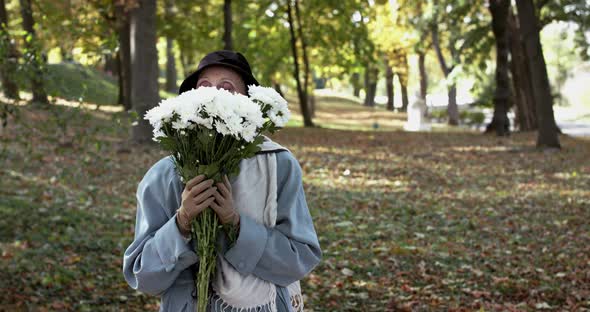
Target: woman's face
(222,78)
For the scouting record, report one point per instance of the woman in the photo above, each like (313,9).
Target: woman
(276,244)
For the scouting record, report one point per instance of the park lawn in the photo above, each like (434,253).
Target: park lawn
(407,221)
(336,112)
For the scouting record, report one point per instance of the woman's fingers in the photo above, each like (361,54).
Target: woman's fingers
(220,197)
(199,188)
(227,184)
(215,207)
(194,181)
(205,195)
(223,214)
(207,203)
(224,190)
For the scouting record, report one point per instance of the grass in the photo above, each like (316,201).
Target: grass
(78,83)
(447,221)
(336,112)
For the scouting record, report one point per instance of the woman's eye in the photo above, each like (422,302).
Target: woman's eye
(204,84)
(227,86)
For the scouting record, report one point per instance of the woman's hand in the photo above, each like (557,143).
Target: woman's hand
(197,195)
(224,203)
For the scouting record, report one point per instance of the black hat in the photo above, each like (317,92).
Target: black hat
(231,59)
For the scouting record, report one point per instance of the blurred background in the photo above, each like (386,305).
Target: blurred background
(444,143)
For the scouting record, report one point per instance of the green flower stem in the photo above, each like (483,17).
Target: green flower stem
(204,230)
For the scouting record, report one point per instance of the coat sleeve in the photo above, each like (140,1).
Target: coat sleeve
(158,253)
(289,251)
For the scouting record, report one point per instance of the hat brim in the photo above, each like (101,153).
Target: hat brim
(190,82)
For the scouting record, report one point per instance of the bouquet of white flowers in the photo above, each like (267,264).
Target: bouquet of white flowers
(208,131)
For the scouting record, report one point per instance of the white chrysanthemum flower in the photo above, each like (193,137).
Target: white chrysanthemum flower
(205,122)
(223,111)
(201,94)
(157,134)
(249,110)
(279,112)
(161,113)
(180,124)
(249,133)
(222,128)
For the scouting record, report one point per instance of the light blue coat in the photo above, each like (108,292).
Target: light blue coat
(160,261)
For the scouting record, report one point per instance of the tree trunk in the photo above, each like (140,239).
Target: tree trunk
(356,84)
(389,85)
(277,87)
(171,73)
(170,67)
(307,121)
(110,64)
(371,75)
(9,61)
(404,86)
(186,60)
(306,70)
(66,46)
(120,98)
(423,75)
(311,99)
(548,132)
(227,22)
(123,36)
(526,116)
(367,82)
(452,109)
(500,122)
(144,67)
(403,76)
(36,58)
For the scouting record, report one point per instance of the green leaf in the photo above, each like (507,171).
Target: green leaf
(167,143)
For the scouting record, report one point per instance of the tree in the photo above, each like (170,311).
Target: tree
(227,22)
(452,109)
(355,81)
(301,92)
(403,71)
(144,66)
(548,131)
(394,38)
(170,59)
(33,54)
(362,46)
(371,77)
(306,68)
(411,14)
(8,57)
(122,17)
(499,10)
(524,99)
(197,30)
(458,31)
(571,11)
(423,75)
(389,85)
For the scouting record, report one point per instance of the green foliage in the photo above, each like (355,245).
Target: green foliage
(466,117)
(79,83)
(484,88)
(85,24)
(576,12)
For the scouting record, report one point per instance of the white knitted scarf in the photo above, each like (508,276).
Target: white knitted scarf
(255,195)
